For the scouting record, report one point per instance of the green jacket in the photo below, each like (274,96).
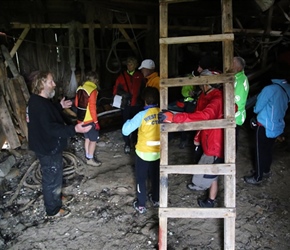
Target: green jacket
(241,95)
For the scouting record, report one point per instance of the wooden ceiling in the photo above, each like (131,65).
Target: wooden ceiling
(250,13)
(64,11)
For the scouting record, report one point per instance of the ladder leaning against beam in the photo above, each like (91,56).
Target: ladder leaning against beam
(228,169)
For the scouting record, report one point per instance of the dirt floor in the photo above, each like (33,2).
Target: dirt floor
(102,216)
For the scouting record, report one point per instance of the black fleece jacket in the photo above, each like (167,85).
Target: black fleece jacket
(47,131)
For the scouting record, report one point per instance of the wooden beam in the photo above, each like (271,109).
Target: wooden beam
(174,1)
(18,104)
(2,137)
(131,44)
(85,26)
(188,126)
(163,59)
(197,212)
(236,31)
(19,41)
(7,125)
(163,19)
(227,28)
(229,133)
(258,32)
(201,80)
(197,39)
(214,169)
(9,61)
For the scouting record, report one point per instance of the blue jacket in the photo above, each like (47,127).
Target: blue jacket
(271,107)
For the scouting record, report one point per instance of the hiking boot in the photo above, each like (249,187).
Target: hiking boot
(265,175)
(62,213)
(154,203)
(127,149)
(67,199)
(251,180)
(93,162)
(205,203)
(139,209)
(191,186)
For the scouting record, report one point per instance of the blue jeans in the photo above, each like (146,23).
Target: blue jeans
(51,169)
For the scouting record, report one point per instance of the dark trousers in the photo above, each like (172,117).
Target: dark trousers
(51,169)
(264,146)
(143,170)
(128,113)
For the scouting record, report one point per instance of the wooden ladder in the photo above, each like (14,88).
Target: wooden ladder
(228,169)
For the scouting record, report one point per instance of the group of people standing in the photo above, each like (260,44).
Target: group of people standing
(139,86)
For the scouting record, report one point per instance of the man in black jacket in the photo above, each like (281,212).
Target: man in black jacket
(47,136)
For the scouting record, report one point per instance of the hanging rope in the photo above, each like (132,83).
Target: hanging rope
(134,36)
(72,59)
(81,48)
(92,46)
(114,51)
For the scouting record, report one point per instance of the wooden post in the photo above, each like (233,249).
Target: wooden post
(266,39)
(18,43)
(163,59)
(132,45)
(7,125)
(18,103)
(227,28)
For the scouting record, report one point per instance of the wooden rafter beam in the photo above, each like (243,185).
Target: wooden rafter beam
(197,39)
(132,45)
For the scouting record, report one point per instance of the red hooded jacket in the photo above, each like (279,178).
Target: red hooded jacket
(209,107)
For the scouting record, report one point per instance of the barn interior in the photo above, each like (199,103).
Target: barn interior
(71,37)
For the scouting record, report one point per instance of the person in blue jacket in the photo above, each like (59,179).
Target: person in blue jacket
(147,148)
(270,108)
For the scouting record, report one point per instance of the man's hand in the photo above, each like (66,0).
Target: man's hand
(80,129)
(97,125)
(66,104)
(165,116)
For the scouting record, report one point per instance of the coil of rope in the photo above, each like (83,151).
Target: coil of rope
(70,170)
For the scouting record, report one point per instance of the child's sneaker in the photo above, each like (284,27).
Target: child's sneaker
(66,200)
(140,209)
(154,203)
(62,213)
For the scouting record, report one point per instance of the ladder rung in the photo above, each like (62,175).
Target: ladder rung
(185,81)
(197,212)
(215,169)
(188,126)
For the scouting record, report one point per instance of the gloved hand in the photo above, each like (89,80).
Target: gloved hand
(97,126)
(165,116)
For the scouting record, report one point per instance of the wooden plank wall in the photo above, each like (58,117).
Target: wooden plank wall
(14,96)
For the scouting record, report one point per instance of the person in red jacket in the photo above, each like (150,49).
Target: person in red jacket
(209,107)
(128,85)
